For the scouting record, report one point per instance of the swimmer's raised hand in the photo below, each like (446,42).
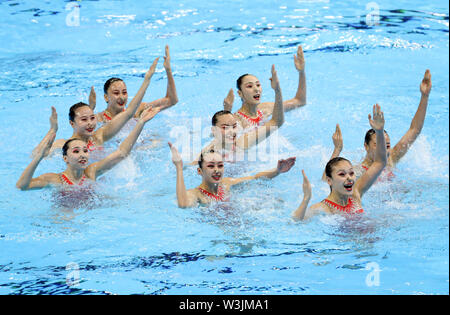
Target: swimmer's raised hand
(306,186)
(176,157)
(152,70)
(285,165)
(92,98)
(149,113)
(228,101)
(337,139)
(377,123)
(425,86)
(274,82)
(43,148)
(299,59)
(54,120)
(166,63)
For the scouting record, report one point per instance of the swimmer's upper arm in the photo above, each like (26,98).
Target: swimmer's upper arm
(266,108)
(42,181)
(191,199)
(235,181)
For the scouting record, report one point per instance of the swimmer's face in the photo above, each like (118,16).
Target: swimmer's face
(342,178)
(85,121)
(226,129)
(77,154)
(212,168)
(251,90)
(117,96)
(371,148)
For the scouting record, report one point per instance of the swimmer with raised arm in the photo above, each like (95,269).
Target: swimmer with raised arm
(252,112)
(225,128)
(76,156)
(401,148)
(214,187)
(116,95)
(84,121)
(346,190)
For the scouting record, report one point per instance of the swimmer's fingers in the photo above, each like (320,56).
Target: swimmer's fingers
(54,120)
(285,165)
(92,98)
(176,157)
(377,122)
(299,59)
(337,138)
(425,86)
(166,63)
(274,79)
(152,69)
(228,101)
(306,186)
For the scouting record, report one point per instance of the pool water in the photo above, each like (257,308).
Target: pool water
(127,236)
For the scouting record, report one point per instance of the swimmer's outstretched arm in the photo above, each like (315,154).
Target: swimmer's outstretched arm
(110,129)
(283,166)
(371,175)
(185,198)
(338,145)
(259,134)
(92,98)
(299,214)
(300,97)
(26,180)
(98,168)
(171,97)
(416,126)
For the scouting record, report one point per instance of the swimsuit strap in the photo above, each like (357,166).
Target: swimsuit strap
(219,197)
(389,175)
(349,208)
(253,121)
(106,116)
(67,181)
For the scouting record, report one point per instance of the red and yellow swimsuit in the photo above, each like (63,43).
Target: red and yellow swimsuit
(213,197)
(350,208)
(254,122)
(67,181)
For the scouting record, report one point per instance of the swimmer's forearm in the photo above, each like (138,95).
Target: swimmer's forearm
(126,146)
(171,93)
(182,196)
(300,96)
(268,174)
(299,214)
(137,99)
(25,179)
(381,155)
(278,109)
(419,117)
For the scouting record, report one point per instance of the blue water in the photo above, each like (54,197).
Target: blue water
(128,236)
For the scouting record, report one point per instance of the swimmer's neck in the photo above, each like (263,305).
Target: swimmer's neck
(112,112)
(210,187)
(224,146)
(249,110)
(84,138)
(341,200)
(73,173)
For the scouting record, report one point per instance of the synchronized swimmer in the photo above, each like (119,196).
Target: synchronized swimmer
(233,133)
